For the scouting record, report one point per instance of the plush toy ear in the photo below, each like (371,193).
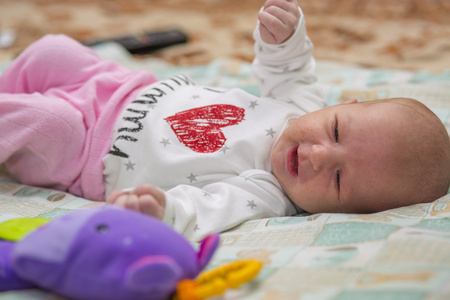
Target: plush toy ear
(207,249)
(155,273)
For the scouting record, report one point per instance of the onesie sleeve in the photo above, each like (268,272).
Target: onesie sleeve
(196,212)
(286,71)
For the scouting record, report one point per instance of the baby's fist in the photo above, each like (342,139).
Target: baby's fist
(145,198)
(278,20)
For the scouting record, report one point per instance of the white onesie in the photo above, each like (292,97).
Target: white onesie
(210,148)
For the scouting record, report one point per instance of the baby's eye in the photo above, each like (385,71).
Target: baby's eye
(336,133)
(338,180)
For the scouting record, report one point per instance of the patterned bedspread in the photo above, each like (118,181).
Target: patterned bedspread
(402,253)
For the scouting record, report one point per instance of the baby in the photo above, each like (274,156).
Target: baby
(206,159)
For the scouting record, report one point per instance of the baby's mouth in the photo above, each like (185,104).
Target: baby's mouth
(292,162)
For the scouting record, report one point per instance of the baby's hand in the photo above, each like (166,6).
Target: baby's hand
(145,198)
(278,20)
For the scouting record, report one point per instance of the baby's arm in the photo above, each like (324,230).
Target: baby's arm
(278,20)
(196,212)
(146,198)
(284,65)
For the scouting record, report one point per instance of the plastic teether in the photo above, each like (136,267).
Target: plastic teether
(15,229)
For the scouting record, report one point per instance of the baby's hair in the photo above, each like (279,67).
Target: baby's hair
(425,160)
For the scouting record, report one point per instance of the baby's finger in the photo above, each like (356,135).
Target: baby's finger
(129,201)
(277,31)
(143,189)
(151,206)
(113,196)
(147,189)
(266,35)
(286,5)
(286,18)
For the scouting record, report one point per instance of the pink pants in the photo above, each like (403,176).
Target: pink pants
(58,105)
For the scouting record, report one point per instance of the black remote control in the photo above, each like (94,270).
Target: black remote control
(146,42)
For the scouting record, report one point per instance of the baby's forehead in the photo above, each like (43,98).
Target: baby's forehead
(394,111)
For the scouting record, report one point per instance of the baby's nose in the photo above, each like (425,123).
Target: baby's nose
(322,156)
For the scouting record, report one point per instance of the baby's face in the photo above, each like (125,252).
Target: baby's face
(340,159)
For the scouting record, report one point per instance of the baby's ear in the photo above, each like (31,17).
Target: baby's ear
(350,101)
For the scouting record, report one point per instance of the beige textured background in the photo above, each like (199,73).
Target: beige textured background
(401,34)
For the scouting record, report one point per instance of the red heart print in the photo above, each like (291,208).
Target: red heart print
(200,128)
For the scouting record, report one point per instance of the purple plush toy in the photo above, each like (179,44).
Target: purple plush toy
(103,253)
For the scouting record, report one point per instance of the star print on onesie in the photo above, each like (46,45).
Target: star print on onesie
(196,143)
(209,148)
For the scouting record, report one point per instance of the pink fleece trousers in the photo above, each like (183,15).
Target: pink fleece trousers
(59,102)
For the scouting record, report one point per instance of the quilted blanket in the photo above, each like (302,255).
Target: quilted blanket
(402,253)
